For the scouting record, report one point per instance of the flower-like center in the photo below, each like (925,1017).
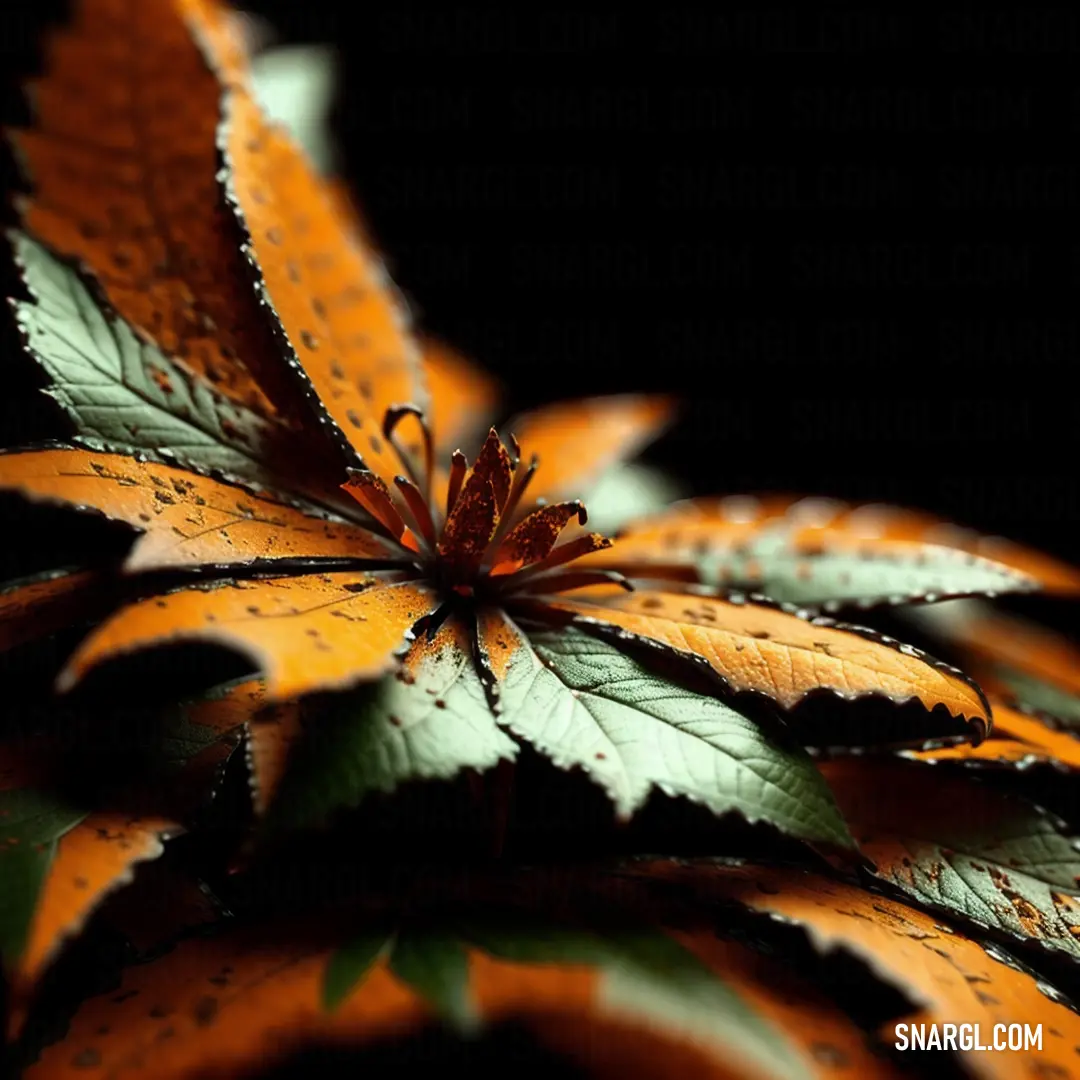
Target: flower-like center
(469,529)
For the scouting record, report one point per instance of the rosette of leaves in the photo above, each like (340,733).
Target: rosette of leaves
(306,483)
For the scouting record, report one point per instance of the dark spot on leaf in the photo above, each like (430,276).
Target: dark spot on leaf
(309,339)
(205,1011)
(87,1059)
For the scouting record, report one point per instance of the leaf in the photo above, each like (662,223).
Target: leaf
(1015,658)
(436,966)
(949,978)
(123,393)
(781,655)
(127,183)
(583,703)
(820,552)
(350,965)
(833,1046)
(305,633)
(295,86)
(427,721)
(960,846)
(578,441)
(32,823)
(652,979)
(196,739)
(626,492)
(57,862)
(185,519)
(239,1002)
(36,606)
(328,292)
(463,397)
(231,1003)
(1019,740)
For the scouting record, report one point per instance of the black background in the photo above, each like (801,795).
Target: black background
(845,237)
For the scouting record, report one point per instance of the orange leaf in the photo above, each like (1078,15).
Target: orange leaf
(699,528)
(230,1005)
(38,606)
(306,633)
(185,519)
(754,647)
(95,857)
(123,160)
(462,396)
(274,732)
(883,528)
(951,979)
(990,638)
(576,441)
(1018,739)
(330,294)
(834,1047)
(235,1004)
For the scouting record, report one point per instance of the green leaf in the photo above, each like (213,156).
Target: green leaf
(350,965)
(436,965)
(523,939)
(584,703)
(953,843)
(628,491)
(649,977)
(834,578)
(428,722)
(295,85)
(23,876)
(122,393)
(31,824)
